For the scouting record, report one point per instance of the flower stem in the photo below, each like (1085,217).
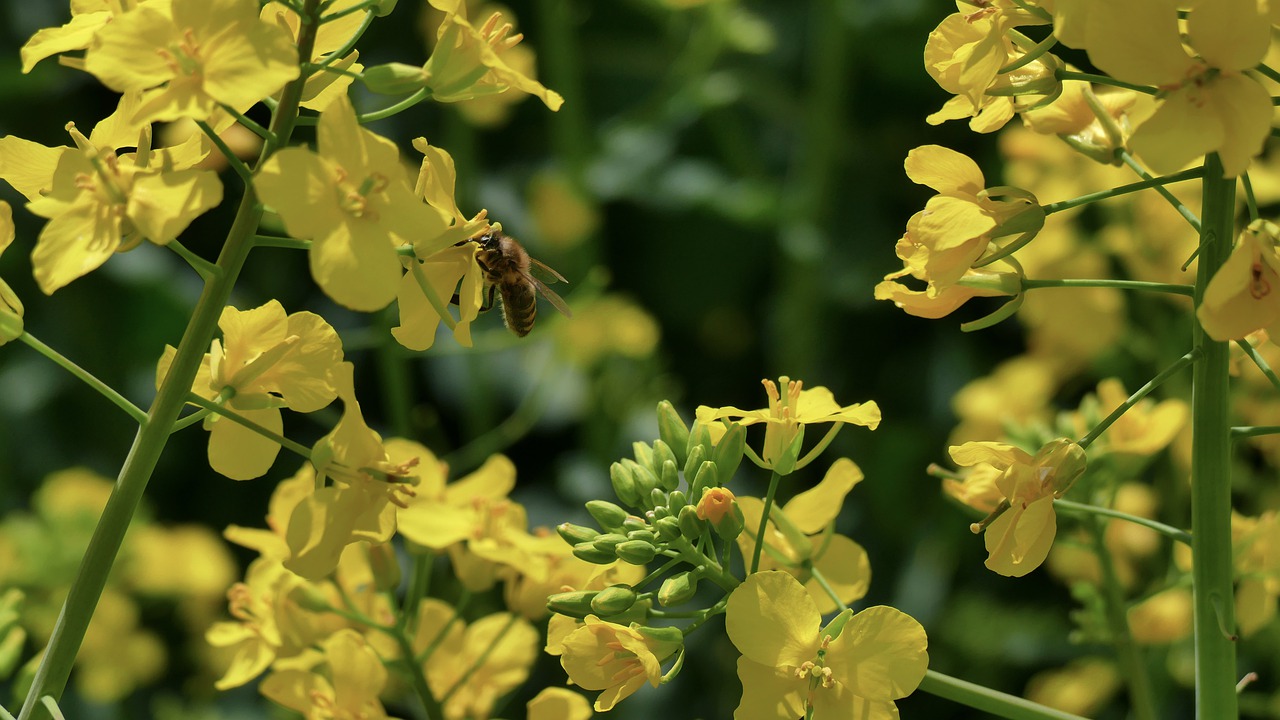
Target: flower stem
(298,449)
(1132,666)
(86,377)
(414,670)
(1171,289)
(82,598)
(764,521)
(1211,471)
(988,700)
(1189,174)
(1138,395)
(1177,204)
(227,153)
(1104,80)
(1068,507)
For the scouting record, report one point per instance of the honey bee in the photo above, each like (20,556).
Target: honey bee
(506,267)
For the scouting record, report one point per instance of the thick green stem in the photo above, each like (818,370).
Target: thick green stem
(764,521)
(82,598)
(1132,666)
(1211,472)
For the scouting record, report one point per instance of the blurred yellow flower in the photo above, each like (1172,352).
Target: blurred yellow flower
(555,703)
(348,691)
(1162,618)
(1082,687)
(191,57)
(790,666)
(476,663)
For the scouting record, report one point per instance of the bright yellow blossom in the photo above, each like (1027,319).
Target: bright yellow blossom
(616,659)
(266,360)
(1000,278)
(1210,103)
(353,201)
(441,514)
(790,665)
(468,62)
(87,18)
(10,306)
(193,57)
(348,691)
(1244,294)
(787,416)
(323,86)
(1020,531)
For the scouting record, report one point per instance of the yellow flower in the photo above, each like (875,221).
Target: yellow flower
(87,18)
(1256,544)
(350,691)
(616,659)
(99,203)
(354,202)
(788,414)
(1162,618)
(1083,687)
(323,86)
(790,665)
(469,63)
(193,57)
(1244,294)
(554,703)
(10,306)
(799,535)
(945,239)
(441,514)
(266,360)
(1210,104)
(1020,531)
(1143,430)
(476,663)
(1000,278)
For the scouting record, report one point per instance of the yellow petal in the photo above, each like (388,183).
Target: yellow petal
(944,170)
(880,655)
(772,620)
(239,453)
(1230,35)
(1138,41)
(816,508)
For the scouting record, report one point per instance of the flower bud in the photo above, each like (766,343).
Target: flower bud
(633,523)
(613,600)
(690,524)
(643,453)
(589,552)
(645,535)
(727,454)
(646,482)
(676,499)
(673,430)
(624,485)
(636,552)
(574,534)
(677,589)
(608,541)
(658,498)
(609,516)
(576,604)
(708,476)
(719,507)
(700,435)
(667,528)
(670,477)
(1060,463)
(694,461)
(661,455)
(394,78)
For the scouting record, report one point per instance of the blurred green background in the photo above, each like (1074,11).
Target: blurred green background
(731,169)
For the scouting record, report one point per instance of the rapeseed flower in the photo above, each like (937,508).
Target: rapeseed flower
(617,659)
(1244,294)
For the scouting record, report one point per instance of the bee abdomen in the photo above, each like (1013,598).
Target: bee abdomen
(519,307)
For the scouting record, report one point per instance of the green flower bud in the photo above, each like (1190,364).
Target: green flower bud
(658,498)
(662,454)
(637,613)
(608,541)
(668,528)
(673,430)
(592,554)
(609,516)
(660,512)
(646,482)
(645,535)
(633,523)
(643,453)
(676,499)
(693,462)
(690,524)
(670,478)
(394,78)
(624,485)
(708,476)
(732,524)
(700,435)
(613,600)
(576,604)
(636,552)
(574,534)
(727,454)
(677,589)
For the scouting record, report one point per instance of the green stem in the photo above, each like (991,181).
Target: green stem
(988,700)
(205,269)
(1177,204)
(710,568)
(764,521)
(349,45)
(1211,471)
(419,585)
(236,164)
(248,124)
(414,669)
(1104,80)
(1254,431)
(822,445)
(1258,360)
(86,377)
(1189,174)
(82,598)
(405,104)
(1132,667)
(1031,55)
(281,242)
(1138,395)
(1171,289)
(189,420)
(1268,71)
(297,448)
(826,587)
(1068,507)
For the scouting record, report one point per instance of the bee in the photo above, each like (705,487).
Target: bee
(506,267)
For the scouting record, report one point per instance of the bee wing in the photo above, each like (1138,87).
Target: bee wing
(547,269)
(556,301)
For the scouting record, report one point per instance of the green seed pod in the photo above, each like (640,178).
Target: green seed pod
(677,589)
(609,516)
(574,534)
(690,524)
(624,485)
(394,78)
(636,552)
(613,600)
(576,604)
(727,454)
(673,430)
(589,552)
(667,528)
